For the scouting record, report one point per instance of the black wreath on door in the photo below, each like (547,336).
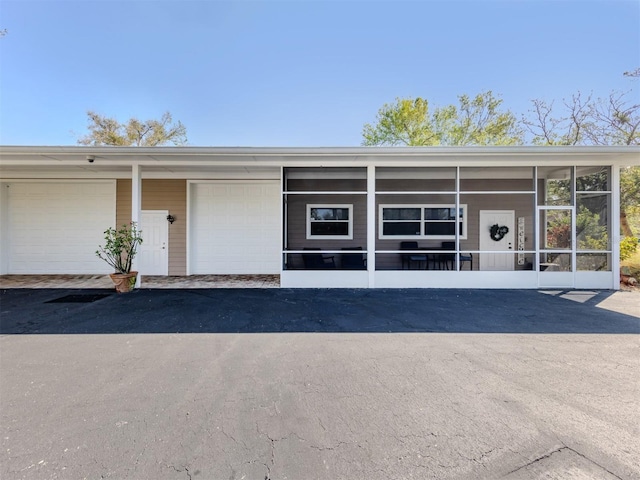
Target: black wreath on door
(498,232)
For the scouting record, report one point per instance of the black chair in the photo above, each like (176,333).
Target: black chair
(353,261)
(448,259)
(409,258)
(466,258)
(317,261)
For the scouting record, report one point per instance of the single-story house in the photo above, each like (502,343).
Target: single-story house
(468,217)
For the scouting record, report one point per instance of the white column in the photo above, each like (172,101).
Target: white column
(574,223)
(4,228)
(371,224)
(615,226)
(283,222)
(136,206)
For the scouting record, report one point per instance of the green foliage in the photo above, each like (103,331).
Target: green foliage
(628,247)
(120,247)
(407,122)
(475,121)
(630,186)
(633,217)
(558,229)
(591,234)
(150,133)
(558,192)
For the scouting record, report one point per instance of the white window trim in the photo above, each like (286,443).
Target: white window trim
(422,221)
(349,236)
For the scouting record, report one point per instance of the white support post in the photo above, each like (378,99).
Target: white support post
(574,223)
(371,224)
(457,225)
(284,244)
(4,228)
(615,226)
(136,207)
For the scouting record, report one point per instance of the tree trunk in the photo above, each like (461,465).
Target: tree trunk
(624,224)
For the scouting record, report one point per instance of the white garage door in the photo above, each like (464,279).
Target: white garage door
(235,228)
(57,227)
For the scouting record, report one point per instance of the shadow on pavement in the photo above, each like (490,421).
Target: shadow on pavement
(31,311)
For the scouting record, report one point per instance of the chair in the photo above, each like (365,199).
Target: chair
(353,261)
(466,258)
(317,261)
(409,258)
(448,259)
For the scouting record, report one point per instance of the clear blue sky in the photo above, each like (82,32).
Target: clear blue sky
(298,73)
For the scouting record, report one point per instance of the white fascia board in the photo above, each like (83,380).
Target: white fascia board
(318,151)
(320,156)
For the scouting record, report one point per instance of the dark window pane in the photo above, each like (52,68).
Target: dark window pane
(329,228)
(401,228)
(401,214)
(440,228)
(330,213)
(439,213)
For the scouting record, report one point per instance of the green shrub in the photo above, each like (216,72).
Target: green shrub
(120,247)
(628,247)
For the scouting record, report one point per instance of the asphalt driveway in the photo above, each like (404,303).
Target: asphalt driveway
(314,310)
(326,384)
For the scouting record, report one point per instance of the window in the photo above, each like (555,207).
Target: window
(330,222)
(422,221)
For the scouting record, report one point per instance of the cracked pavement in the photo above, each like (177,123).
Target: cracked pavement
(386,386)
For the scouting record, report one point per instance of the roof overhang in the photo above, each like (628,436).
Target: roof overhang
(186,161)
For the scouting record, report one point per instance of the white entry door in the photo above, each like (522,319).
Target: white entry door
(497,261)
(154,251)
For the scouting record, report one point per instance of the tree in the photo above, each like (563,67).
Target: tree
(614,120)
(567,129)
(150,133)
(475,121)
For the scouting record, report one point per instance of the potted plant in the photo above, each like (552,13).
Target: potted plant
(119,250)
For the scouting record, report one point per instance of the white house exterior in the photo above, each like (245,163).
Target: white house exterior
(474,217)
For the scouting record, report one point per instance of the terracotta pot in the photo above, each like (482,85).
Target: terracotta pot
(124,282)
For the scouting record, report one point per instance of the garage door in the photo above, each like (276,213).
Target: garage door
(235,228)
(57,227)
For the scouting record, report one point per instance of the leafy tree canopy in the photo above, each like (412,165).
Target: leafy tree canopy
(474,121)
(150,133)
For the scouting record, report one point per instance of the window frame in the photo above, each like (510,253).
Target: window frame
(423,220)
(348,206)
